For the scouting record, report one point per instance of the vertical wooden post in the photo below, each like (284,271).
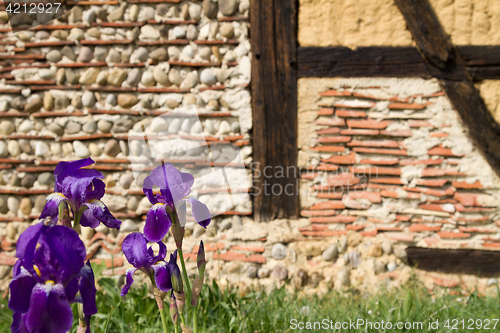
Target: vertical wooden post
(274,101)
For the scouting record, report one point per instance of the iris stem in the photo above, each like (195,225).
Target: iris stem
(195,320)
(164,321)
(184,273)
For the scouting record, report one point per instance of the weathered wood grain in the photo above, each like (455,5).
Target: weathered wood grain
(455,261)
(274,102)
(445,62)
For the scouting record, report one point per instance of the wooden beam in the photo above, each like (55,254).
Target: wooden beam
(445,62)
(455,261)
(274,101)
(482,62)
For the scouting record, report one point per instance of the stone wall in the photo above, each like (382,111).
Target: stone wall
(90,83)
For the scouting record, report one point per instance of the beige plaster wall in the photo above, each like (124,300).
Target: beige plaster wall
(378,22)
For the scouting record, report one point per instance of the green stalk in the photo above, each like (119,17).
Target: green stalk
(184,274)
(195,320)
(164,320)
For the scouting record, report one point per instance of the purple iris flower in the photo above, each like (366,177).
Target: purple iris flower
(49,275)
(82,189)
(174,186)
(142,258)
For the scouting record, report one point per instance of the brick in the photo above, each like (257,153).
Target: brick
(423,227)
(334,139)
(476,230)
(389,229)
(374,220)
(343,180)
(209,247)
(448,208)
(375,171)
(440,151)
(329,195)
(335,93)
(229,256)
(5,259)
(354,227)
(408,106)
(355,104)
(393,99)
(438,193)
(331,130)
(115,262)
(324,233)
(420,162)
(369,124)
(380,151)
(419,123)
(330,122)
(454,161)
(325,112)
(403,218)
(446,283)
(465,185)
(491,245)
(386,180)
(432,182)
(373,197)
(447,234)
(247,248)
(439,135)
(309,213)
(399,236)
(359,132)
(440,172)
(314,227)
(430,241)
(471,219)
(329,149)
(473,199)
(324,167)
(353,204)
(442,201)
(350,114)
(328,205)
(256,258)
(387,161)
(334,219)
(372,233)
(378,143)
(402,133)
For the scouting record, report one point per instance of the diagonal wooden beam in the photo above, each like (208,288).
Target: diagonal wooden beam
(445,63)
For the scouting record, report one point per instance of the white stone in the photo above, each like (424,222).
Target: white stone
(196,128)
(81,149)
(159,124)
(207,77)
(149,32)
(41,148)
(3,149)
(26,126)
(179,32)
(195,11)
(174,126)
(224,128)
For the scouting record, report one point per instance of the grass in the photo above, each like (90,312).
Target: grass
(228,311)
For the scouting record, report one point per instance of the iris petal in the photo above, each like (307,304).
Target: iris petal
(51,208)
(148,190)
(67,248)
(98,212)
(161,253)
(128,280)
(20,292)
(162,276)
(26,245)
(88,290)
(49,310)
(135,249)
(158,223)
(64,168)
(97,192)
(172,182)
(200,212)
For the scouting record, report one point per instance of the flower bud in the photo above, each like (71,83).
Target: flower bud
(174,311)
(177,232)
(180,299)
(176,278)
(201,261)
(196,290)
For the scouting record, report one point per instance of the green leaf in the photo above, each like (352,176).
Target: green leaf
(407,303)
